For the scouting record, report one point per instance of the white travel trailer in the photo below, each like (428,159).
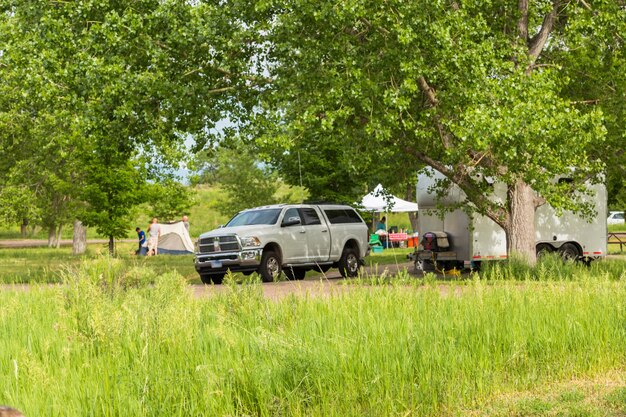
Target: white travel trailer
(455,238)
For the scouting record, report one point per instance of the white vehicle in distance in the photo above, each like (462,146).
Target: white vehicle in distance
(615,217)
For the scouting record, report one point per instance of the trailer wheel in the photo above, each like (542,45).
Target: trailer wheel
(543,249)
(419,265)
(569,252)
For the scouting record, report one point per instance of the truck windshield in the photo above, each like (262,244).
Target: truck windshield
(246,218)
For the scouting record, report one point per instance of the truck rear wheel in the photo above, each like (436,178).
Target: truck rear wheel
(271,267)
(349,263)
(212,279)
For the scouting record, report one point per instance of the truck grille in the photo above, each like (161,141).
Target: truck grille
(218,244)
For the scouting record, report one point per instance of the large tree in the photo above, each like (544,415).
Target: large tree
(125,84)
(477,90)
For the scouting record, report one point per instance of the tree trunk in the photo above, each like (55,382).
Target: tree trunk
(58,242)
(111,246)
(410,196)
(520,229)
(79,241)
(52,230)
(24,228)
(413,220)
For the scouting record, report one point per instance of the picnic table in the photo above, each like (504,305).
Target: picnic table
(398,237)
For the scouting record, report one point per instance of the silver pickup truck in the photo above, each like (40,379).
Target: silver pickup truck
(289,238)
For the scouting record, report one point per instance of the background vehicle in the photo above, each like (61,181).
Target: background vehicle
(291,238)
(455,238)
(615,217)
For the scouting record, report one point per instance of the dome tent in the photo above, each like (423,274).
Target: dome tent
(174,240)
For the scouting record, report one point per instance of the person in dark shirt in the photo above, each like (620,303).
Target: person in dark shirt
(141,236)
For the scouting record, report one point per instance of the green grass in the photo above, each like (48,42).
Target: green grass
(552,268)
(127,341)
(45,265)
(592,396)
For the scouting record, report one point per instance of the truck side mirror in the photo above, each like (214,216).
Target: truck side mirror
(292,221)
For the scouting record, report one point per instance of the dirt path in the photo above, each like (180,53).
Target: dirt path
(321,286)
(42,243)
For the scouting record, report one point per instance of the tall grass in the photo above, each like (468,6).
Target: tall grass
(551,267)
(114,342)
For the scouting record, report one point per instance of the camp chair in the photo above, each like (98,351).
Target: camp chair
(375,240)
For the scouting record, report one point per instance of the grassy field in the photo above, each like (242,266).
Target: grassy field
(45,265)
(108,344)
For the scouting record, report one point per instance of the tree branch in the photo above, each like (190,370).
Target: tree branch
(538,41)
(430,93)
(446,139)
(461,178)
(593,101)
(220,90)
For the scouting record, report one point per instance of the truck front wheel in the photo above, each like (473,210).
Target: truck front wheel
(270,268)
(349,263)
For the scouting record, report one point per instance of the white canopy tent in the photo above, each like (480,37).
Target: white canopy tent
(376,202)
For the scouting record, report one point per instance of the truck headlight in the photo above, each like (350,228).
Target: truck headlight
(249,241)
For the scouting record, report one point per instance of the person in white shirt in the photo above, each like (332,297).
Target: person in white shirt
(154,229)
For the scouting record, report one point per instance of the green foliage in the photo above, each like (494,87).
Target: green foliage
(384,88)
(170,200)
(17,203)
(246,183)
(244,179)
(113,185)
(91,88)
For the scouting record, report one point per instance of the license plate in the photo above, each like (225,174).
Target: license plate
(216,264)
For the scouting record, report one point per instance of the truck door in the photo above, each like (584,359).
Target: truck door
(317,235)
(293,237)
